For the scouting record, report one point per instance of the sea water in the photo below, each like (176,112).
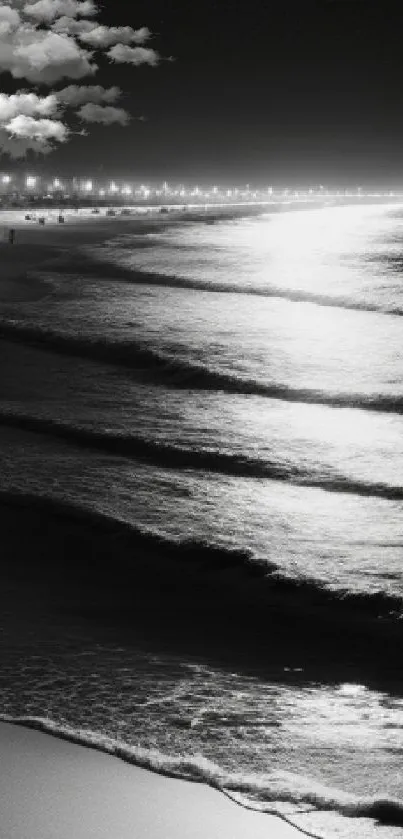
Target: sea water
(228,396)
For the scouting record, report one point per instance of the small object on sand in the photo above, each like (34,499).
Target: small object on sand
(11,235)
(111,212)
(28,217)
(41,219)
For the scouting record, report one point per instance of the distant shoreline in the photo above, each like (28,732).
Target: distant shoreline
(36,244)
(72,204)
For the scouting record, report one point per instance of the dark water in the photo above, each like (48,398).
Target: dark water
(202,458)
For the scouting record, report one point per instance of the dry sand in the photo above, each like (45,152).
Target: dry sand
(51,789)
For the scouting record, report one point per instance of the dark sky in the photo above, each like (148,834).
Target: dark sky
(260,91)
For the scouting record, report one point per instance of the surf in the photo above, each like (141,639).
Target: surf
(267,792)
(174,457)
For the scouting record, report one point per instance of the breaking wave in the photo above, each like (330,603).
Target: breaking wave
(266,792)
(175,457)
(104,270)
(150,365)
(200,576)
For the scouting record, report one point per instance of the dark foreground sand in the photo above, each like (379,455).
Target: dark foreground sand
(36,246)
(51,789)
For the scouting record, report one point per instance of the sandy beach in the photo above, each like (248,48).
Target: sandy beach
(51,789)
(35,245)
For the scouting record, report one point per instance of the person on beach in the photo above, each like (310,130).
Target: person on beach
(11,235)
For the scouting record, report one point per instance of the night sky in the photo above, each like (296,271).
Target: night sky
(261,92)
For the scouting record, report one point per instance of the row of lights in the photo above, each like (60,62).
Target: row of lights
(87,187)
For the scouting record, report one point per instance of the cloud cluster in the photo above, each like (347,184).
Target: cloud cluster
(47,42)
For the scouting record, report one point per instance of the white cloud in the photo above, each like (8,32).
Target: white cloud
(105,114)
(75,95)
(27,127)
(28,104)
(44,57)
(28,122)
(25,133)
(48,10)
(123,54)
(106,36)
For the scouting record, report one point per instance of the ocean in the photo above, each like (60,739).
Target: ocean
(201,498)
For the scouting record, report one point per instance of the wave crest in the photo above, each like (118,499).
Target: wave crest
(208,597)
(175,457)
(103,269)
(149,365)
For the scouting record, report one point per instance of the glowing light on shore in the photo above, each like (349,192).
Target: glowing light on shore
(263,194)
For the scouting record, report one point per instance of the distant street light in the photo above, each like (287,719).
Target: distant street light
(30,182)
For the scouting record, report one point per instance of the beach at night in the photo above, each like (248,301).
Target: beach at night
(178,639)
(201,419)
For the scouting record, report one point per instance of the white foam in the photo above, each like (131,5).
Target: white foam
(278,793)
